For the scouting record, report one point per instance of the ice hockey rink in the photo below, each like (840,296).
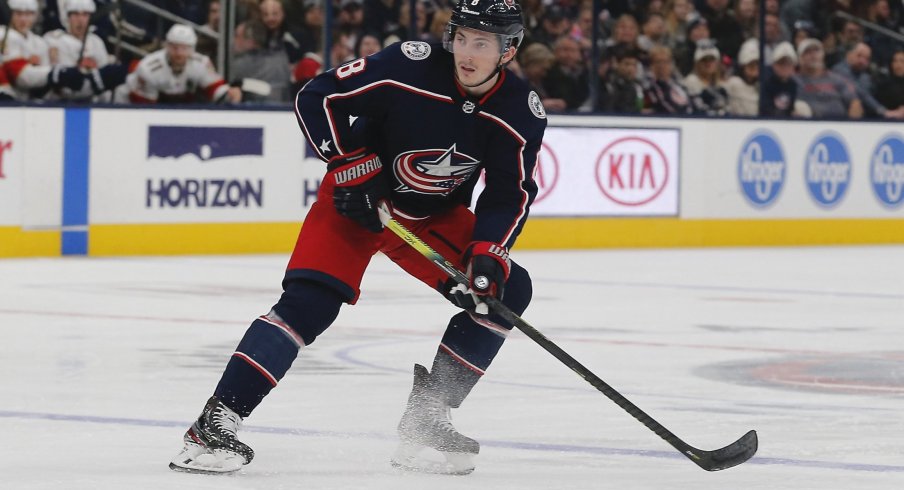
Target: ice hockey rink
(106,361)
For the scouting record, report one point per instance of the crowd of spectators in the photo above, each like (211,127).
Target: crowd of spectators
(654,56)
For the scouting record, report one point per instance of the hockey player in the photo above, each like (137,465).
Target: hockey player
(78,47)
(430,118)
(178,74)
(27,59)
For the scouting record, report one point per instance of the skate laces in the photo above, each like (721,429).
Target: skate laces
(441,413)
(226,420)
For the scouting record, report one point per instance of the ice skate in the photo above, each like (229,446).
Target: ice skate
(211,445)
(429,441)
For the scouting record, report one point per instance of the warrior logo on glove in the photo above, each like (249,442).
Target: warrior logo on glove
(359,187)
(350,174)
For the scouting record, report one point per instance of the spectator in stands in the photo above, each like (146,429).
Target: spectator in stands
(568,79)
(879,12)
(623,93)
(744,88)
(626,31)
(401,32)
(367,45)
(780,90)
(295,12)
(275,51)
(654,33)
(841,41)
(697,30)
(803,29)
(723,27)
(350,19)
(441,18)
(582,29)
(774,34)
(856,68)
(890,89)
(747,13)
(676,15)
(704,83)
(177,74)
(208,46)
(553,24)
(535,61)
(312,26)
(828,94)
(664,94)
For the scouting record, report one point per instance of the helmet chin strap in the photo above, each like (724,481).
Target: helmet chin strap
(495,72)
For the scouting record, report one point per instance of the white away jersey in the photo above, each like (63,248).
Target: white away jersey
(154,80)
(26,61)
(65,49)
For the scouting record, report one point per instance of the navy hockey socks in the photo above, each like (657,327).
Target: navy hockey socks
(262,358)
(272,342)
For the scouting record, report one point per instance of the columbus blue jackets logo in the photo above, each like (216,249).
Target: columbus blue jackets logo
(415,50)
(206,143)
(437,171)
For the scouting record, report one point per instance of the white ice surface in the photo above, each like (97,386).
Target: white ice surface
(105,362)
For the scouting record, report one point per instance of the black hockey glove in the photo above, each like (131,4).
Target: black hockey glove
(65,77)
(107,77)
(487,267)
(359,187)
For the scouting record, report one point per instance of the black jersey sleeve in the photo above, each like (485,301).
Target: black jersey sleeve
(359,88)
(504,204)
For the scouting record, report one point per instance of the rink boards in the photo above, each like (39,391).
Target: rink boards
(111,181)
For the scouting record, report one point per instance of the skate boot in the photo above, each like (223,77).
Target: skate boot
(211,445)
(426,427)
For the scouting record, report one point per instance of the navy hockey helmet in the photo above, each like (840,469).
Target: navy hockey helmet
(500,17)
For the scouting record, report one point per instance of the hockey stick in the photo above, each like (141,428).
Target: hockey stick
(719,459)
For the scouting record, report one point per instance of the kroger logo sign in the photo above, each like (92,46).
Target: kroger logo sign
(887,171)
(827,169)
(761,169)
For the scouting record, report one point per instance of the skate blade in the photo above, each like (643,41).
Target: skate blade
(410,457)
(200,460)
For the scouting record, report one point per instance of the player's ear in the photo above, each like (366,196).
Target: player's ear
(509,54)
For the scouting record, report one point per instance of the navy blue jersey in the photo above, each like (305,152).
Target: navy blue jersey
(405,104)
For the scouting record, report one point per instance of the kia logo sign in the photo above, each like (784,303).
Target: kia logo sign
(632,171)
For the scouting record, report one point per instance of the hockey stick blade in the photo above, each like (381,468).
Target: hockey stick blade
(719,459)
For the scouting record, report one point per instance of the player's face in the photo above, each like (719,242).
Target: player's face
(78,23)
(178,54)
(477,54)
(23,20)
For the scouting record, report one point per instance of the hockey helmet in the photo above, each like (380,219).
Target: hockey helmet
(182,34)
(23,5)
(80,6)
(500,17)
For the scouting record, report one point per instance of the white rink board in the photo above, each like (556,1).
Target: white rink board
(31,167)
(607,172)
(12,146)
(711,160)
(178,177)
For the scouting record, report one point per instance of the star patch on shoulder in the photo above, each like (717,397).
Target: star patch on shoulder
(415,50)
(536,105)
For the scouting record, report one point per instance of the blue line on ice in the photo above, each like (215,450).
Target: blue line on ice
(556,448)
